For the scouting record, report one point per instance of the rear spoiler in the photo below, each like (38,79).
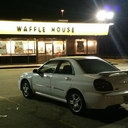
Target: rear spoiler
(113,73)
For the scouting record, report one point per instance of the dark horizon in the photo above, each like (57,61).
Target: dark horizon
(50,10)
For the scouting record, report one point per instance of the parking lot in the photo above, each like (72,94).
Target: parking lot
(16,111)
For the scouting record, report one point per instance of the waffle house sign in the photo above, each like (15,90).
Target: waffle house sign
(52,28)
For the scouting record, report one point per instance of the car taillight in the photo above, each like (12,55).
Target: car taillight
(102,85)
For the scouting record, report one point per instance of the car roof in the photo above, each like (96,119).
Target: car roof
(75,57)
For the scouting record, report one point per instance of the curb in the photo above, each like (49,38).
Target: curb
(14,67)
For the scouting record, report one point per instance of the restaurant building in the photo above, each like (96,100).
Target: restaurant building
(28,42)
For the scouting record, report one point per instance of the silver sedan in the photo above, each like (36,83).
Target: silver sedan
(80,81)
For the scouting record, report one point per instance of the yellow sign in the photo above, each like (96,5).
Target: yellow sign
(52,28)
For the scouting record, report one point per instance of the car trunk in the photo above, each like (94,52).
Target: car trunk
(118,79)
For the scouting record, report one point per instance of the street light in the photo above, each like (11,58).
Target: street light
(110,15)
(62,10)
(103,15)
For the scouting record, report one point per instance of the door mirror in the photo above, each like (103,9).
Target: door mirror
(35,70)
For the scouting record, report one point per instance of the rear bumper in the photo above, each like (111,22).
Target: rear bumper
(102,101)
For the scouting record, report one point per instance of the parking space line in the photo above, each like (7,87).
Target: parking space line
(4,98)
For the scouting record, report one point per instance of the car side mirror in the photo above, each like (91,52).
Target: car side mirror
(35,70)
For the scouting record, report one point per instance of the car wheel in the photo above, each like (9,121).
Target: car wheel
(76,102)
(26,90)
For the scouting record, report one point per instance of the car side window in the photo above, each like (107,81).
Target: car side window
(48,67)
(64,68)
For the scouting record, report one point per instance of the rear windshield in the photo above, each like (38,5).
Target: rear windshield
(93,66)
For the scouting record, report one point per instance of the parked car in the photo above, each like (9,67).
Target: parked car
(80,81)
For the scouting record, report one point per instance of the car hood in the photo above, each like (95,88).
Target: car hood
(118,79)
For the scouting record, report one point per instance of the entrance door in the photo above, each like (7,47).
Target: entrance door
(50,48)
(45,51)
(49,51)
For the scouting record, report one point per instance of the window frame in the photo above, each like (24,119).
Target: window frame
(39,70)
(59,65)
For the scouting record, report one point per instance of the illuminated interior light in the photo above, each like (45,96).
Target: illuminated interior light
(84,43)
(90,43)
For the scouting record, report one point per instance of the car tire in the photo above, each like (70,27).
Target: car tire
(76,102)
(26,90)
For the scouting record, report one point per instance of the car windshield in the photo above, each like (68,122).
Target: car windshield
(93,66)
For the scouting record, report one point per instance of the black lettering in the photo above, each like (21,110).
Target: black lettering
(68,29)
(35,29)
(43,29)
(63,29)
(73,30)
(53,30)
(39,29)
(25,29)
(30,28)
(19,28)
(58,29)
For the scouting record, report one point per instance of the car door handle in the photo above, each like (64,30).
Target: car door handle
(67,78)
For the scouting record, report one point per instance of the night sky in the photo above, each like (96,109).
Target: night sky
(74,11)
(49,10)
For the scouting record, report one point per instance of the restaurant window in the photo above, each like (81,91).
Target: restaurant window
(64,50)
(17,47)
(59,48)
(41,47)
(83,46)
(48,48)
(3,48)
(80,46)
(11,49)
(92,46)
(20,47)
